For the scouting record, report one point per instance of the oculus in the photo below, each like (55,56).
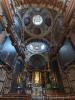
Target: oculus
(37,20)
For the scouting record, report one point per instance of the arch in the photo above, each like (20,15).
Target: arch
(37,62)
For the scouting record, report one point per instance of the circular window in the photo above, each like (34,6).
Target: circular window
(37,20)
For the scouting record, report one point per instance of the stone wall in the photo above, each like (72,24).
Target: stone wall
(5,81)
(68,78)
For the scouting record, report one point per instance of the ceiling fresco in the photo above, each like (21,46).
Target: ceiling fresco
(36,46)
(57,4)
(37,21)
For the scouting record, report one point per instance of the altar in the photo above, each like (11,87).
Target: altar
(37,91)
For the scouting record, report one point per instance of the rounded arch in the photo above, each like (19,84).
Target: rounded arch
(37,62)
(40,45)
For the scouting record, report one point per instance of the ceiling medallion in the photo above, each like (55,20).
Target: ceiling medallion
(37,21)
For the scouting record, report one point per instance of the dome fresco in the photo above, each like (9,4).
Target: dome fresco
(37,46)
(37,18)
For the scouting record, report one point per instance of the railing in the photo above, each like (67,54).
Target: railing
(13,96)
(60,97)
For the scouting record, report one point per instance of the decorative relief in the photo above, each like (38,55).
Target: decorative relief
(36,46)
(69,79)
(5,80)
(37,21)
(54,3)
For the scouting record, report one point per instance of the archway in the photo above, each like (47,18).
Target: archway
(37,62)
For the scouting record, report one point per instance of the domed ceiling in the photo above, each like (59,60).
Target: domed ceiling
(37,21)
(37,46)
